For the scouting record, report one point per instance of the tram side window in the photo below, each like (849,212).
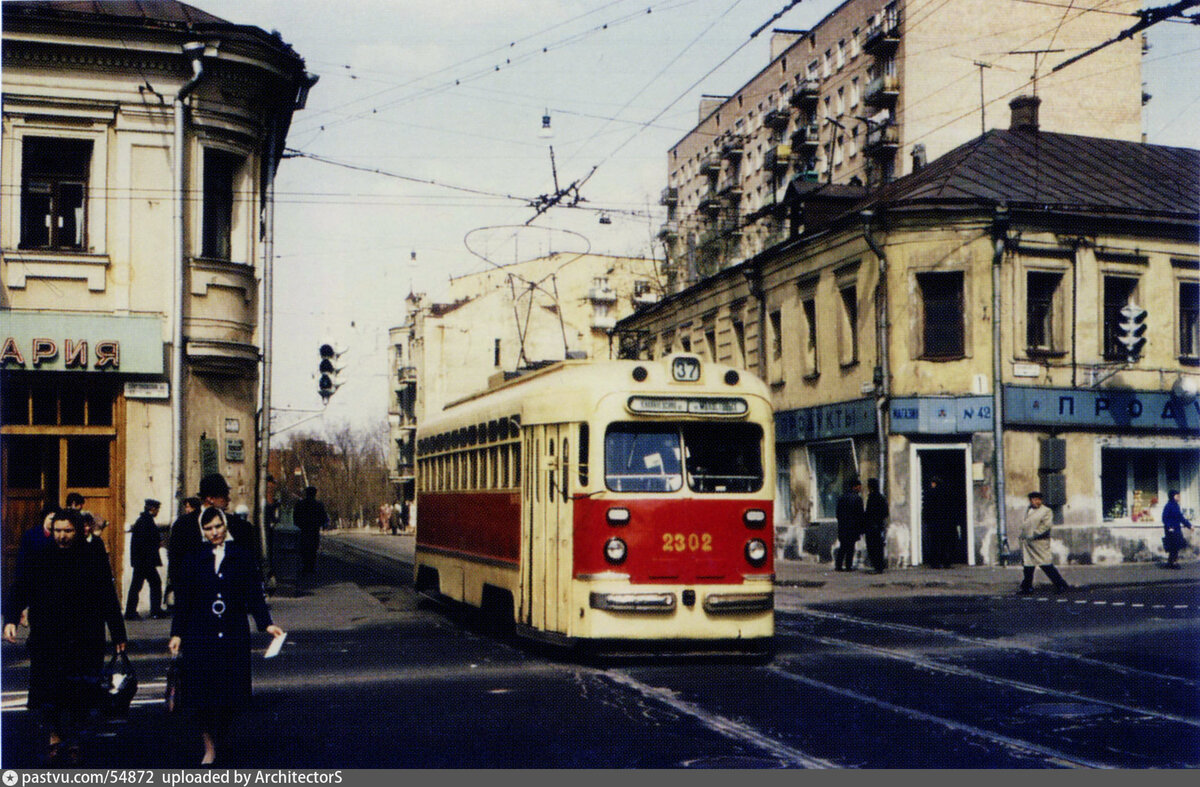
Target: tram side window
(642,458)
(723,457)
(583,455)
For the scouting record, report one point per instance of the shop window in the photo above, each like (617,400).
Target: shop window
(1118,291)
(54,188)
(942,315)
(27,472)
(833,464)
(810,337)
(1189,319)
(849,325)
(220,171)
(1134,482)
(1042,312)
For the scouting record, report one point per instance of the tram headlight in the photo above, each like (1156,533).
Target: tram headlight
(617,516)
(756,551)
(615,551)
(755,517)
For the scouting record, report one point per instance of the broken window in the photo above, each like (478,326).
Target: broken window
(54,187)
(1041,312)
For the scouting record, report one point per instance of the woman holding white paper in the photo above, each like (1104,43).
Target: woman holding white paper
(218,587)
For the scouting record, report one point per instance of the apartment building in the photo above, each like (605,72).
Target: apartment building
(874,85)
(499,320)
(139,142)
(965,321)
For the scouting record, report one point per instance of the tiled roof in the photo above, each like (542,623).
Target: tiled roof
(1051,171)
(147,11)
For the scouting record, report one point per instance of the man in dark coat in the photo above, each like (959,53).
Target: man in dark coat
(68,594)
(875,520)
(850,525)
(309,516)
(144,541)
(939,527)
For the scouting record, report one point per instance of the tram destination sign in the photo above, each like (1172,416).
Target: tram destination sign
(1120,409)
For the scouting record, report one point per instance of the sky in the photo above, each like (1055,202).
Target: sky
(454,92)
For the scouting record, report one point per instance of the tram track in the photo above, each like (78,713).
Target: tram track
(995,644)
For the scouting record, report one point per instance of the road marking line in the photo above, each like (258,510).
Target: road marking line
(726,727)
(1000,644)
(1157,606)
(936,665)
(1013,743)
(1118,603)
(1100,603)
(1060,601)
(1180,606)
(1137,605)
(1081,601)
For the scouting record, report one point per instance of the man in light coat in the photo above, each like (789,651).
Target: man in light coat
(1035,545)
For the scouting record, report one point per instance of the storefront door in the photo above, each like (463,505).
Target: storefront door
(943,522)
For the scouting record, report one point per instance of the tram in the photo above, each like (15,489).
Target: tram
(606,503)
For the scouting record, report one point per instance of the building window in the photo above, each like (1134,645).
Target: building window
(1189,319)
(1118,292)
(739,338)
(826,65)
(854,45)
(942,317)
(496,353)
(54,187)
(810,337)
(1134,482)
(776,336)
(813,69)
(220,170)
(686,343)
(1042,314)
(849,325)
(841,54)
(841,101)
(833,465)
(710,342)
(854,92)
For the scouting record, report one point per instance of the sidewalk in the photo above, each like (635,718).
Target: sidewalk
(395,554)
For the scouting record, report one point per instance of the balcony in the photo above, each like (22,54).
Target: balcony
(644,299)
(732,147)
(406,374)
(806,136)
(778,157)
(602,295)
(881,39)
(670,197)
(731,189)
(883,139)
(777,119)
(806,93)
(711,202)
(603,322)
(669,232)
(710,165)
(882,91)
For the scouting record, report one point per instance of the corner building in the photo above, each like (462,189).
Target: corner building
(874,85)
(877,330)
(140,141)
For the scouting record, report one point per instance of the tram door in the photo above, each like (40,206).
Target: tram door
(547,529)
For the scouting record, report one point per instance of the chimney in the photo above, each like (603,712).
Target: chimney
(1024,113)
(918,156)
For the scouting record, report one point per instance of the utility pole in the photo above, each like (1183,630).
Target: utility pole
(982,122)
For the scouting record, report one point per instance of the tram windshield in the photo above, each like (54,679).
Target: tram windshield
(714,457)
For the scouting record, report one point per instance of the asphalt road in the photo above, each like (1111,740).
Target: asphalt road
(1107,678)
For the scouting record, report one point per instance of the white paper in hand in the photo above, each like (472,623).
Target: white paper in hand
(275,646)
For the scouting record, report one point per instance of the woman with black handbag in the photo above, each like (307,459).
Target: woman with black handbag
(69,593)
(218,587)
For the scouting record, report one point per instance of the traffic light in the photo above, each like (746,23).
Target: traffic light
(1133,330)
(327,374)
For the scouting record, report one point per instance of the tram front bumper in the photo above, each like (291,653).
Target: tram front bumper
(717,603)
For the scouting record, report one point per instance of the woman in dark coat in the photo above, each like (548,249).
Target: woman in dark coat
(217,587)
(67,589)
(1173,523)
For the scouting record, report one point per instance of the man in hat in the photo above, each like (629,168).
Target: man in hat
(309,516)
(186,534)
(144,541)
(1035,545)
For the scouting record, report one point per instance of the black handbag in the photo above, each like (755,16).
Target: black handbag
(171,694)
(120,681)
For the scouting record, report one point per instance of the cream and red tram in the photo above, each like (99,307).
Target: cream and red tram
(618,501)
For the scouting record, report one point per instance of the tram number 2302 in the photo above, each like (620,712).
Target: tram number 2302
(687,542)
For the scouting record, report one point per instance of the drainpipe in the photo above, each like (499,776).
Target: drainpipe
(882,347)
(268,301)
(193,51)
(999,239)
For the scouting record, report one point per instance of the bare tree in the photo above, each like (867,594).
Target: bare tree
(348,465)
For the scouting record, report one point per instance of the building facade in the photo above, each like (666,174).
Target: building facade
(139,144)
(496,321)
(973,304)
(872,85)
